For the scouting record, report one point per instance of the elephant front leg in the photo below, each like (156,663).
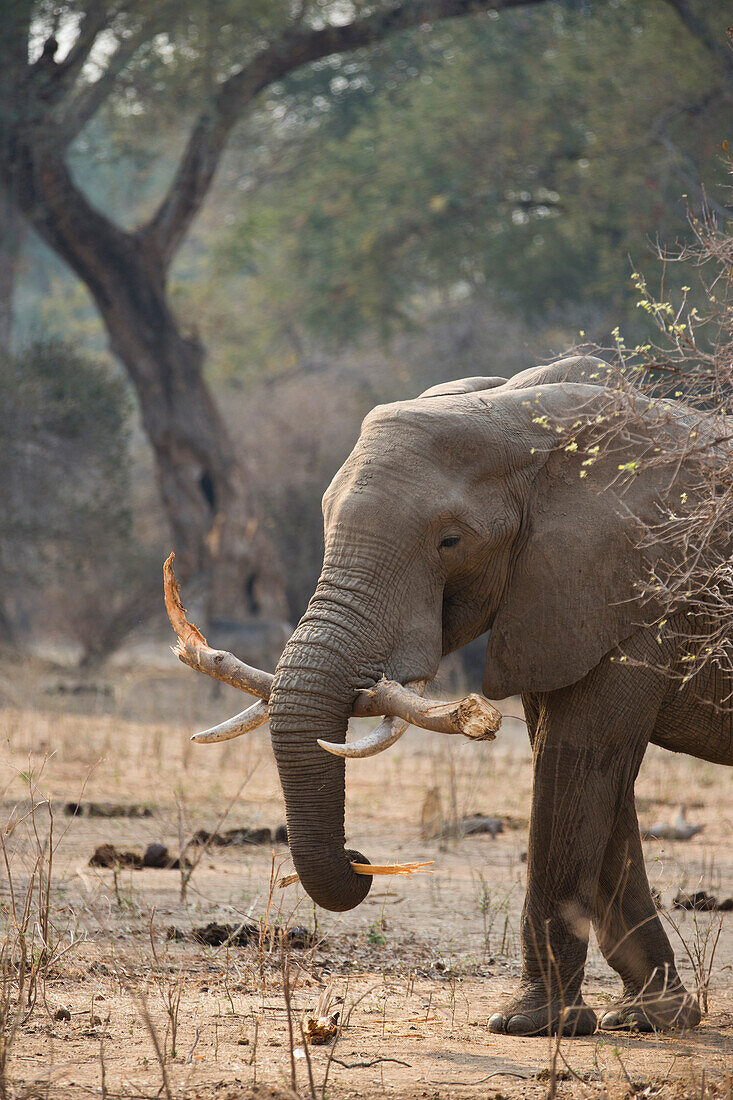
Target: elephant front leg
(633,941)
(562,876)
(586,756)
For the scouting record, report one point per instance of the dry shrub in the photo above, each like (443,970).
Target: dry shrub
(681,382)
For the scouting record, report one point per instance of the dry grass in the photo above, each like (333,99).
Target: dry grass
(414,972)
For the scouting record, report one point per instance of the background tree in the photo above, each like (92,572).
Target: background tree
(504,161)
(48,94)
(69,552)
(460,197)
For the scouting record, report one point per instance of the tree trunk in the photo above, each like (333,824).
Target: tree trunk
(12,231)
(216,527)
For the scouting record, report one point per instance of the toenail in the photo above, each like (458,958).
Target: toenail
(497,1022)
(520,1025)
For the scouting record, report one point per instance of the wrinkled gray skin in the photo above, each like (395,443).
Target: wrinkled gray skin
(454,514)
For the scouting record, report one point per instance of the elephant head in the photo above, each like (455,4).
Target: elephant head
(455,514)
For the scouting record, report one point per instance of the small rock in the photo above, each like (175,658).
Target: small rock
(62,1014)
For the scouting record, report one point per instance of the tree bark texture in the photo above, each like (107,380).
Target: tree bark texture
(12,232)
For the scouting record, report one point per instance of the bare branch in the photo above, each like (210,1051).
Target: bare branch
(84,106)
(671,401)
(473,716)
(194,650)
(45,192)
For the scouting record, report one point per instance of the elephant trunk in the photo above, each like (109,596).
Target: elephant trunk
(311,698)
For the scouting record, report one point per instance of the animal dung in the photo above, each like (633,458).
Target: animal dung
(106,809)
(215,934)
(702,902)
(242,836)
(155,856)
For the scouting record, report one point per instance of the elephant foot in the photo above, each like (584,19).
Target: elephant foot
(652,1010)
(530,1014)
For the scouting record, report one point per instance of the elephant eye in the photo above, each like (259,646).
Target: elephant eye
(450,540)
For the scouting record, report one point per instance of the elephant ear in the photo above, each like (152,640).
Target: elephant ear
(572,593)
(464,385)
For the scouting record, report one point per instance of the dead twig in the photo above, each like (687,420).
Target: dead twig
(374,1062)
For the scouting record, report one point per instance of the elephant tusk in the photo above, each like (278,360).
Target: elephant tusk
(377,740)
(248,720)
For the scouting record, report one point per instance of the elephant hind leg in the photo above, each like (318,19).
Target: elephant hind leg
(633,941)
(588,741)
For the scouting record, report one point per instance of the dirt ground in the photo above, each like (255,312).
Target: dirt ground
(414,972)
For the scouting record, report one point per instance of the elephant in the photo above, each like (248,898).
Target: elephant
(459,513)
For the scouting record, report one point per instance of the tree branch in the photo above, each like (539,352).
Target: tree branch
(84,106)
(95,19)
(703,33)
(291,51)
(16,28)
(46,194)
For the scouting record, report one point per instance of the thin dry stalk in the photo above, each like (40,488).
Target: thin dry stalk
(32,944)
(700,949)
(147,1019)
(189,862)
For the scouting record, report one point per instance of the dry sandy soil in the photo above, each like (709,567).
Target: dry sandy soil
(415,971)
